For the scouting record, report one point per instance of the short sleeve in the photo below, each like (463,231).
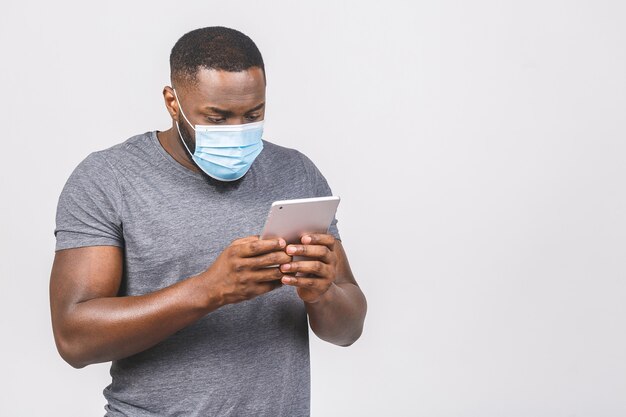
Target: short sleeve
(88,212)
(320,189)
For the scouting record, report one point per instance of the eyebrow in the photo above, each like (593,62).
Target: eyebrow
(229,113)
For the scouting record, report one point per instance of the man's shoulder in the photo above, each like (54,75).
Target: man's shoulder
(134,146)
(101,165)
(278,151)
(124,153)
(284,155)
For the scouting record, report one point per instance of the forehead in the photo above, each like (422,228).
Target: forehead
(225,87)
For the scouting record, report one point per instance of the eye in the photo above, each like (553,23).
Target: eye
(216,120)
(252,117)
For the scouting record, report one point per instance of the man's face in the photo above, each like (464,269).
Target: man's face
(220,98)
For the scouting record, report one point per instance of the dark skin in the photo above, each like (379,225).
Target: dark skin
(92,324)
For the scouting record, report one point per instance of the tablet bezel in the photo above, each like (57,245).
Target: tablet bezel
(292,219)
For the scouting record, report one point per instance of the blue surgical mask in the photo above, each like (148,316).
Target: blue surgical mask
(225,152)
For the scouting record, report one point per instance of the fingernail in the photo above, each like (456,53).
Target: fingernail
(291,249)
(282,243)
(306,240)
(288,280)
(285,267)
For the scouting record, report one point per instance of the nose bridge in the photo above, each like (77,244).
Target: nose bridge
(236,119)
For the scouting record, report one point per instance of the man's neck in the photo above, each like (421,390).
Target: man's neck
(171,142)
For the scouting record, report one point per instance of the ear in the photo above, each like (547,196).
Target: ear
(171,104)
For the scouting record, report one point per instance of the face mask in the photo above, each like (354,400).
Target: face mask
(225,152)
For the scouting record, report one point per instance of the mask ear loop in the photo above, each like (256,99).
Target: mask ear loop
(187,120)
(181,109)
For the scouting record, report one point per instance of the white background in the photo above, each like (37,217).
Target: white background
(479,149)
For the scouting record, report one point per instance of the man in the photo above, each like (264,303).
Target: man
(158,268)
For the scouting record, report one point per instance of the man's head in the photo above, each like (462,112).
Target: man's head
(212,48)
(219,77)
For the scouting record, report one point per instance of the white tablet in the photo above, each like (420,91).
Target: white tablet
(292,219)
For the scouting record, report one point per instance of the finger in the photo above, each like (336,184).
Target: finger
(265,275)
(310,251)
(265,287)
(306,282)
(261,246)
(319,239)
(316,268)
(270,259)
(246,239)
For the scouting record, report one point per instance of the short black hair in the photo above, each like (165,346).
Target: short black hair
(215,47)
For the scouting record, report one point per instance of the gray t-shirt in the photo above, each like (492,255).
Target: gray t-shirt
(244,359)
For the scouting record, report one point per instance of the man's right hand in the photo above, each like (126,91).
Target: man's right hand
(247,268)
(93,324)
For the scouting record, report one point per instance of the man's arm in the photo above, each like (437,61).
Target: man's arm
(92,324)
(334,302)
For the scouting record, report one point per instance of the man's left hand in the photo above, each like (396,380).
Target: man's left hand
(314,276)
